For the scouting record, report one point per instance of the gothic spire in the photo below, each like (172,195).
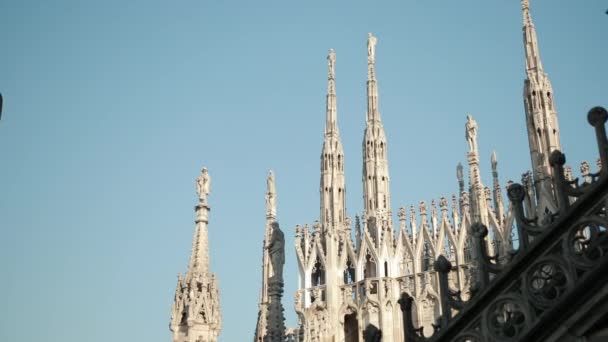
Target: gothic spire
(372,88)
(333,207)
(541,116)
(533,62)
(498,204)
(199,258)
(189,317)
(271,322)
(477,193)
(376,194)
(331,117)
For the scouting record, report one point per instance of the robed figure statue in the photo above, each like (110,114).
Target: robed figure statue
(276,251)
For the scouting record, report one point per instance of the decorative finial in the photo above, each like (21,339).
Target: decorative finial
(585,171)
(401,214)
(317,226)
(568,173)
(422,208)
(270,182)
(464,198)
(525,7)
(488,193)
(271,197)
(331,62)
(584,168)
(494,161)
(371,48)
(203,184)
(459,174)
(443,204)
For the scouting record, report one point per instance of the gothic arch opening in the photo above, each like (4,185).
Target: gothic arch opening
(370,267)
(318,274)
(349,272)
(351,328)
(427,258)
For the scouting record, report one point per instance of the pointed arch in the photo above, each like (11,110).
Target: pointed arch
(370,267)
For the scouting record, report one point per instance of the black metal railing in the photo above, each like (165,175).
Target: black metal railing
(558,263)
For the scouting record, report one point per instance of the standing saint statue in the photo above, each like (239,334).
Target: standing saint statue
(371,48)
(331,61)
(471,133)
(203,183)
(276,251)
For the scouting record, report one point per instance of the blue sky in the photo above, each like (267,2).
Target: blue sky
(112,108)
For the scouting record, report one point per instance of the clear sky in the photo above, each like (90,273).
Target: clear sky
(112,107)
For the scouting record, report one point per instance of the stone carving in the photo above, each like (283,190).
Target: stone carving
(585,170)
(371,48)
(401,214)
(464,198)
(443,204)
(422,208)
(331,61)
(271,194)
(568,173)
(276,251)
(203,184)
(471,133)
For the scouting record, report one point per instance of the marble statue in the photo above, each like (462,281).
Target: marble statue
(270,196)
(471,133)
(203,185)
(371,48)
(331,61)
(276,251)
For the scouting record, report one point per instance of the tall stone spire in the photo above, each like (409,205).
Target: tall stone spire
(199,257)
(541,115)
(196,312)
(271,216)
(332,191)
(479,209)
(376,192)
(271,321)
(271,198)
(498,204)
(331,117)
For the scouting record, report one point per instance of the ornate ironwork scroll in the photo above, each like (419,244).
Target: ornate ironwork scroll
(555,261)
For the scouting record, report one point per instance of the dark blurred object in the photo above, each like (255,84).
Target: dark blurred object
(0,106)
(372,334)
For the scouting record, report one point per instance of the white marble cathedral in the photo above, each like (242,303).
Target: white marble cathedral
(348,281)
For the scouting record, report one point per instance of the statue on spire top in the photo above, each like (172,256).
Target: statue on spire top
(331,61)
(471,133)
(203,183)
(271,203)
(371,48)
